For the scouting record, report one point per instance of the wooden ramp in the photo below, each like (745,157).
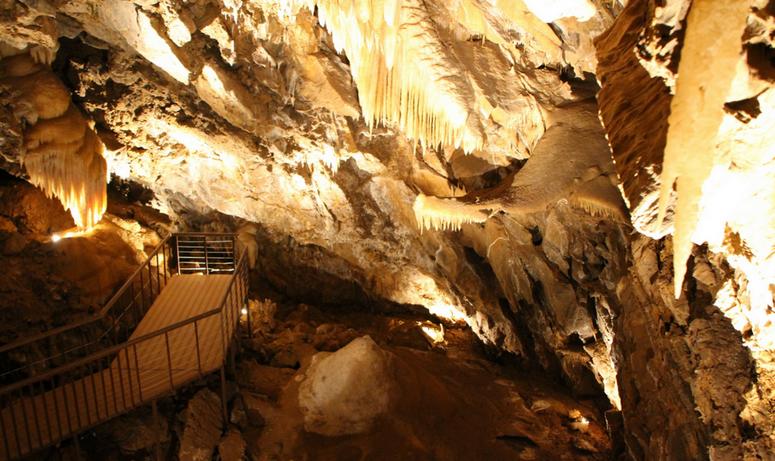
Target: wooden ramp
(183,336)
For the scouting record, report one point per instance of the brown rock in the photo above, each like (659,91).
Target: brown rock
(203,424)
(262,379)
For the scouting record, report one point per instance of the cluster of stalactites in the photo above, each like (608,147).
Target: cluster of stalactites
(63,155)
(397,62)
(434,213)
(76,177)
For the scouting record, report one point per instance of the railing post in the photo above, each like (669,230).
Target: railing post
(158,275)
(223,397)
(77,448)
(207,261)
(198,357)
(137,367)
(223,369)
(156,430)
(169,360)
(177,251)
(5,440)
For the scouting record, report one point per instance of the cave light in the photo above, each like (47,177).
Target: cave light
(71,233)
(434,333)
(448,312)
(553,10)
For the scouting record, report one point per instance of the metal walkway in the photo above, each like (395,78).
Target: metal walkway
(173,322)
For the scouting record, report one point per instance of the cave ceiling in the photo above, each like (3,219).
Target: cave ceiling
(476,158)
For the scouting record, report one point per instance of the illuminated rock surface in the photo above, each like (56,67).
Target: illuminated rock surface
(437,159)
(344,392)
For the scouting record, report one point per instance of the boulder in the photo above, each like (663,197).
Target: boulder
(203,427)
(346,391)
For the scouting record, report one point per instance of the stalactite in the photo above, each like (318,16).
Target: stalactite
(570,163)
(62,154)
(696,113)
(398,64)
(445,214)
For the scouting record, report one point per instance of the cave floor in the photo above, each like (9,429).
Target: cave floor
(455,401)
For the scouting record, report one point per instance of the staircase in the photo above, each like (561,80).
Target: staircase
(173,322)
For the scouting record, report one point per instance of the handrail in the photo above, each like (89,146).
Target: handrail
(94,318)
(81,373)
(107,352)
(126,307)
(114,299)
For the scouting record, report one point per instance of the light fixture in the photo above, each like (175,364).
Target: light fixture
(56,237)
(244,311)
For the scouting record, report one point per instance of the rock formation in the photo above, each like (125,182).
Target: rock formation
(586,185)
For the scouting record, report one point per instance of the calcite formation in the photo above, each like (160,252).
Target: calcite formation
(574,141)
(62,154)
(341,137)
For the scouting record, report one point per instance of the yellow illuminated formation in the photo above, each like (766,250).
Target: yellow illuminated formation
(63,154)
(402,70)
(696,114)
(571,162)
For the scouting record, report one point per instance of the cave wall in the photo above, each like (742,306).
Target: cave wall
(707,353)
(251,114)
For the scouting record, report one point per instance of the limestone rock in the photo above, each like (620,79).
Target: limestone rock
(232,446)
(346,391)
(262,379)
(203,424)
(136,433)
(14,244)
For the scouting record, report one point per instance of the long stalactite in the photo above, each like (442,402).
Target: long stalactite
(63,154)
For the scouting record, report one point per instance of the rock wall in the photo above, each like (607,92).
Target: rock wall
(244,112)
(707,354)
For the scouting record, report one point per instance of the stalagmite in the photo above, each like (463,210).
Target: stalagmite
(63,154)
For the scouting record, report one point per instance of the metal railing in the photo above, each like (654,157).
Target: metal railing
(182,253)
(111,325)
(61,402)
(205,253)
